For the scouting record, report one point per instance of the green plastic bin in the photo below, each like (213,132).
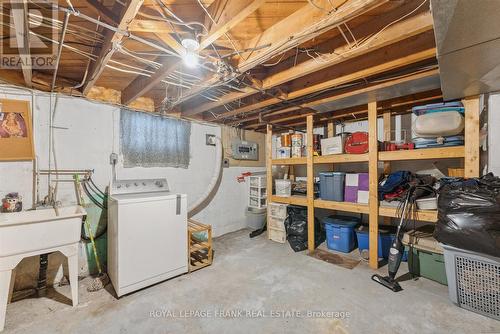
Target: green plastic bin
(425,255)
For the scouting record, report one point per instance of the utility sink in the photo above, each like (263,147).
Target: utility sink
(28,231)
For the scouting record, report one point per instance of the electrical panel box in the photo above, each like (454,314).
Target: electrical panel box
(245,150)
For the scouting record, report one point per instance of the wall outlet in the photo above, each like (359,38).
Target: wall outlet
(210,139)
(225,163)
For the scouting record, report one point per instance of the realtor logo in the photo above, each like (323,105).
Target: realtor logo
(30,35)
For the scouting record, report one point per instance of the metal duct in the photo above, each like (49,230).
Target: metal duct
(468,42)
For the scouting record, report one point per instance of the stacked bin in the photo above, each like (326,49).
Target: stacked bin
(331,186)
(340,235)
(277,214)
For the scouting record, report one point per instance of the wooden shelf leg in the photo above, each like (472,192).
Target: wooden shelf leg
(387,164)
(373,183)
(269,163)
(471,161)
(310,185)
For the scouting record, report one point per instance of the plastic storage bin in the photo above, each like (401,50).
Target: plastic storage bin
(283,187)
(277,210)
(277,235)
(473,280)
(384,242)
(340,235)
(331,186)
(425,255)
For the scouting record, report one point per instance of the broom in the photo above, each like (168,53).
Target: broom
(102,279)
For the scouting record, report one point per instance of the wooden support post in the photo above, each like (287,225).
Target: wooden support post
(373,184)
(269,164)
(310,185)
(472,112)
(387,164)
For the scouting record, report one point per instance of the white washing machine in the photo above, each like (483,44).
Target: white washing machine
(147,234)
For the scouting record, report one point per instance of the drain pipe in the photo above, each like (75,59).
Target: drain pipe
(196,206)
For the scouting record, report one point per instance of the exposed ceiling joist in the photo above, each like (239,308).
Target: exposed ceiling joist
(141,86)
(367,72)
(152,26)
(231,13)
(128,12)
(104,12)
(303,25)
(393,34)
(21,24)
(373,88)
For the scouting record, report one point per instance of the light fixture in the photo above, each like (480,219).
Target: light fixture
(190,58)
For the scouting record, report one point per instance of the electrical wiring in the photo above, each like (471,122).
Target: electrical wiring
(275,63)
(142,60)
(225,33)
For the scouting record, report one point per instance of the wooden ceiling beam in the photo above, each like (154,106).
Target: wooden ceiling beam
(237,11)
(111,38)
(300,26)
(104,12)
(21,25)
(227,14)
(396,33)
(384,67)
(151,26)
(390,103)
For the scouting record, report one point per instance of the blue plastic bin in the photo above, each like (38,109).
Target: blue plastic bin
(331,186)
(340,235)
(384,241)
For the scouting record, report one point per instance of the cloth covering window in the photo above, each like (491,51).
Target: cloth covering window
(153,141)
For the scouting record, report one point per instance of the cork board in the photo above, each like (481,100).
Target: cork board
(16,136)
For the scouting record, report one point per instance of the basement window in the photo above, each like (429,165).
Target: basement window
(153,141)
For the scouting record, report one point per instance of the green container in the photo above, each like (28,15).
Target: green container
(426,264)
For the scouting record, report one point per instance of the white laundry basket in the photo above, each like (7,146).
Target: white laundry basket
(473,280)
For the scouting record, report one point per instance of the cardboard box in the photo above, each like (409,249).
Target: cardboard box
(332,145)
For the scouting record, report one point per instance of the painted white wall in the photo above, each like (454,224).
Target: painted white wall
(85,135)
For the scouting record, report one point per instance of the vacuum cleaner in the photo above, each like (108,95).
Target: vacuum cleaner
(396,251)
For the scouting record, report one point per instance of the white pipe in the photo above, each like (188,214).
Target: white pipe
(213,182)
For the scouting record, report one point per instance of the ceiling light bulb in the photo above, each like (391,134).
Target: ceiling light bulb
(191,59)
(190,44)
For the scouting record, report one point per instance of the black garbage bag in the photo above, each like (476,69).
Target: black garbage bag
(296,229)
(469,215)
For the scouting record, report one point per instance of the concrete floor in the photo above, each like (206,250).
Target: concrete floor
(259,276)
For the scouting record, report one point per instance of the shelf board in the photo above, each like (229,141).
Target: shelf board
(423,215)
(289,161)
(295,200)
(423,153)
(340,158)
(341,206)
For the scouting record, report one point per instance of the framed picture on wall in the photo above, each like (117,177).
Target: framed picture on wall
(16,137)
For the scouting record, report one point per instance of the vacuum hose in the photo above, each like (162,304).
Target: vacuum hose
(213,182)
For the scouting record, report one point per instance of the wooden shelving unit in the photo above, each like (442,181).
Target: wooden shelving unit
(469,152)
(340,158)
(295,200)
(200,251)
